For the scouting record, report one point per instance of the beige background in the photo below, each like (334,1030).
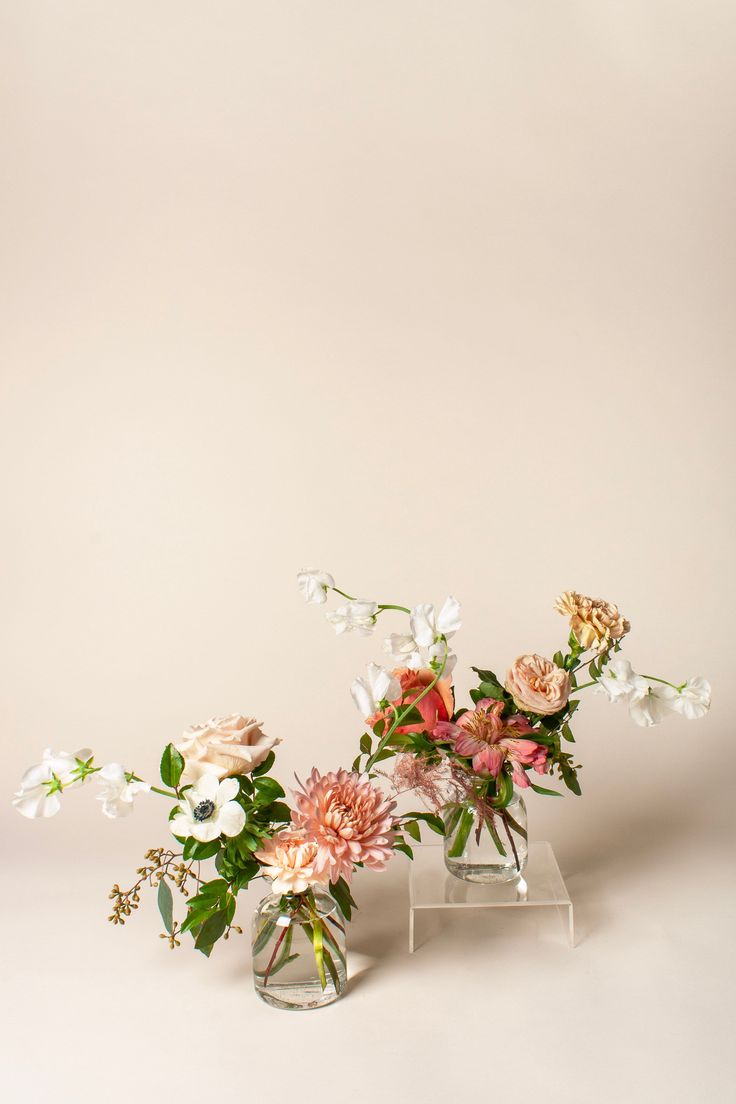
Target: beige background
(438,296)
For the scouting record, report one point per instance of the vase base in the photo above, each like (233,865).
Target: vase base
(298,998)
(484,875)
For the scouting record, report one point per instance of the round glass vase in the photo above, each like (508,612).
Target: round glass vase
(491,850)
(299,958)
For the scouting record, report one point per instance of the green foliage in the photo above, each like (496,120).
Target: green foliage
(432,821)
(366,744)
(412,828)
(193,849)
(166,904)
(172,766)
(267,791)
(340,892)
(265,766)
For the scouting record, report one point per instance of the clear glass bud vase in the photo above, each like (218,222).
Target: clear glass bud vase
(299,950)
(487,846)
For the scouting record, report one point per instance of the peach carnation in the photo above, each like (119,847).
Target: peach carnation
(538,685)
(595,622)
(289,860)
(348,818)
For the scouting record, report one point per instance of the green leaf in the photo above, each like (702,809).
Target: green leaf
(193,849)
(280,811)
(356,763)
(492,690)
(268,790)
(404,848)
(387,753)
(211,930)
(166,905)
(411,716)
(172,766)
(486,676)
(340,891)
(542,790)
(567,733)
(433,821)
(265,766)
(216,888)
(366,744)
(463,831)
(412,828)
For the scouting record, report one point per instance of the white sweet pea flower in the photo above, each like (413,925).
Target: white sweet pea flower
(649,705)
(377,686)
(618,680)
(355,616)
(41,785)
(314,585)
(208,810)
(117,792)
(693,699)
(427,626)
(404,651)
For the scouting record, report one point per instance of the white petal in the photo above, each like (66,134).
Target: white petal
(423,627)
(363,698)
(228,789)
(448,619)
(206,788)
(181,825)
(230,820)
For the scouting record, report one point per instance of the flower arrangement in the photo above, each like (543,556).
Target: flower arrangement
(466,761)
(226,809)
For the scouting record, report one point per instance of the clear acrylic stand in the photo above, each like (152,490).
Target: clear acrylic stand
(431,886)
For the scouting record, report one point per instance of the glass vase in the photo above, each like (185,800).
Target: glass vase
(299,950)
(488,846)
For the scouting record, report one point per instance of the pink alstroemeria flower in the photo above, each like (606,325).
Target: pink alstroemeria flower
(491,739)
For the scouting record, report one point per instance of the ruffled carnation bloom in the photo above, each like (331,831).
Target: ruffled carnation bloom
(538,685)
(490,740)
(348,818)
(289,860)
(224,746)
(595,622)
(437,705)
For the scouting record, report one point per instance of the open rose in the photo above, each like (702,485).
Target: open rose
(537,684)
(437,705)
(224,746)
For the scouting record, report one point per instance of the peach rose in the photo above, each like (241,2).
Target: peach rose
(537,684)
(224,746)
(437,705)
(595,622)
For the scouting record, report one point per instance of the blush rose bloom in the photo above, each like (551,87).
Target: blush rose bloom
(437,705)
(224,746)
(538,685)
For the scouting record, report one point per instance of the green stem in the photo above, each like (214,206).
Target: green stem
(164,793)
(344,595)
(585,684)
(400,716)
(653,678)
(386,606)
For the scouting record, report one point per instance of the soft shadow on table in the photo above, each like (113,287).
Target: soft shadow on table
(622,843)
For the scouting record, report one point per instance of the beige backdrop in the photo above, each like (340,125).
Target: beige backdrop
(437,296)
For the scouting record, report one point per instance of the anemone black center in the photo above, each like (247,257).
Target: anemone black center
(203,810)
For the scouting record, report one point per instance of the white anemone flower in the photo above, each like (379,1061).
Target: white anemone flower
(314,585)
(378,685)
(650,705)
(42,784)
(693,699)
(358,616)
(208,810)
(618,680)
(117,792)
